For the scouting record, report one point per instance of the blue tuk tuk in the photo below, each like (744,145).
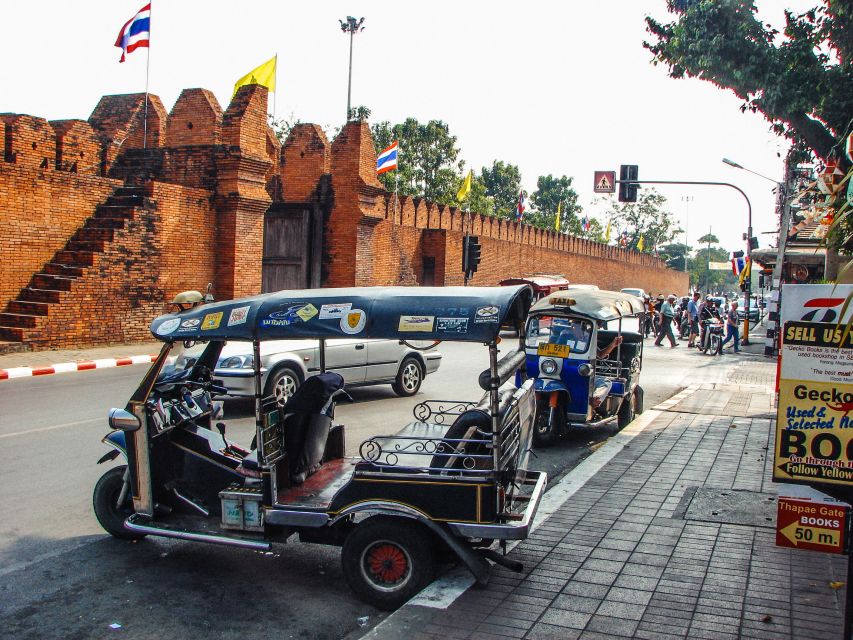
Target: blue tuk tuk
(450,483)
(586,363)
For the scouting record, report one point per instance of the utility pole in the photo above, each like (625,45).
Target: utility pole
(687,200)
(351,26)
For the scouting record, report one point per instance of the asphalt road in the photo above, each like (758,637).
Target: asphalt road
(61,576)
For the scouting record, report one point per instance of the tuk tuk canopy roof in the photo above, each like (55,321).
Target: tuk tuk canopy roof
(594,304)
(465,314)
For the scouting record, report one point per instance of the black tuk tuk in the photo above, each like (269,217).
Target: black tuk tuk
(450,483)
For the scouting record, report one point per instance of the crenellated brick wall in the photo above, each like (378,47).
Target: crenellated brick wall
(98,230)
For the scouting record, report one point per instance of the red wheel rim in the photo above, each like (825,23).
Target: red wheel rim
(387,563)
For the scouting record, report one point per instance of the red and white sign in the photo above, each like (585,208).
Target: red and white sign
(811,524)
(604,182)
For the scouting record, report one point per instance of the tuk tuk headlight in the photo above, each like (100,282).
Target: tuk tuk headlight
(237,362)
(585,370)
(549,367)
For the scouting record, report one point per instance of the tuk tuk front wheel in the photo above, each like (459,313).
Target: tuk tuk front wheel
(544,435)
(105,498)
(388,560)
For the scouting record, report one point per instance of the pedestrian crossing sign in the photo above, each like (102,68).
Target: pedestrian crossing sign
(604,182)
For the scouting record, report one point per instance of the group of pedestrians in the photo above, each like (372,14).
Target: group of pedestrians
(663,314)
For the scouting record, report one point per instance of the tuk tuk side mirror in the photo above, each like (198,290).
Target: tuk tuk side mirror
(123,420)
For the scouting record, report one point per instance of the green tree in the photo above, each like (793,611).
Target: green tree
(503,184)
(711,281)
(803,83)
(550,193)
(676,255)
(428,163)
(646,218)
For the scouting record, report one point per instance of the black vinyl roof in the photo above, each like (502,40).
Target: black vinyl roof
(466,314)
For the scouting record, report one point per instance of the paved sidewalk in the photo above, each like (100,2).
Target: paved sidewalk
(673,538)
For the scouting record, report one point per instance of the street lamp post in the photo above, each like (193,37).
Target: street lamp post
(351,26)
(748,290)
(687,200)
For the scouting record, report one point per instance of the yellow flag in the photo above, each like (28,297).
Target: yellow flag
(607,232)
(263,75)
(465,189)
(557,219)
(640,244)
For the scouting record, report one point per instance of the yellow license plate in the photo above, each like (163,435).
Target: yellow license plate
(553,350)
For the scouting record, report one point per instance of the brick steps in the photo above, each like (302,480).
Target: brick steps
(48,287)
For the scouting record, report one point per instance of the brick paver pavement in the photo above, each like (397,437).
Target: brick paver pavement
(623,558)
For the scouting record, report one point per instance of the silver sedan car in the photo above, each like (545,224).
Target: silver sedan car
(286,363)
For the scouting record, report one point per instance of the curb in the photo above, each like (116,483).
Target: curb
(67,367)
(446,589)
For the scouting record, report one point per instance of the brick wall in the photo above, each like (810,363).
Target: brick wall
(39,211)
(209,177)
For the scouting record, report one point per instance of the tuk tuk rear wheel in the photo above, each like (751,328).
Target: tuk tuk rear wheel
(111,517)
(388,560)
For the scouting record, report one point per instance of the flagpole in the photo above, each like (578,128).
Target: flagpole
(147,67)
(275,93)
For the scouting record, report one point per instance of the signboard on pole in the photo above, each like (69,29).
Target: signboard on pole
(604,182)
(814,427)
(814,522)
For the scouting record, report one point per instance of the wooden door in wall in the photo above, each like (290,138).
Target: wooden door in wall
(293,236)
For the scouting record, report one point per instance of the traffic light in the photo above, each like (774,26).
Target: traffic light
(737,254)
(470,254)
(753,243)
(627,191)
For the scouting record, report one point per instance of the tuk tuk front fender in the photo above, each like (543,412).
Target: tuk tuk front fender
(546,385)
(116,440)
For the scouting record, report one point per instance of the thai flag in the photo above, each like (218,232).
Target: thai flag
(387,160)
(585,223)
(522,206)
(737,265)
(136,32)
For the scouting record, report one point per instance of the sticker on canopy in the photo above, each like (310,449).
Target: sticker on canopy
(452,325)
(307,312)
(288,316)
(416,323)
(189,325)
(239,315)
(168,326)
(487,314)
(334,311)
(211,321)
(353,321)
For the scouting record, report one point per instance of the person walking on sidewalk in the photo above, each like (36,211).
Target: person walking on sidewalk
(732,328)
(693,318)
(667,313)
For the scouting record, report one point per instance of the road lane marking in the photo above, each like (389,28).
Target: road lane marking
(50,428)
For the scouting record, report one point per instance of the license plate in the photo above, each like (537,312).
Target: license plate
(553,350)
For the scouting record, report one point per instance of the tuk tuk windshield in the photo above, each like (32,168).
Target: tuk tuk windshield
(546,329)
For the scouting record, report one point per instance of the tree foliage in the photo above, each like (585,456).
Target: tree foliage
(428,163)
(550,194)
(503,184)
(676,255)
(802,83)
(647,217)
